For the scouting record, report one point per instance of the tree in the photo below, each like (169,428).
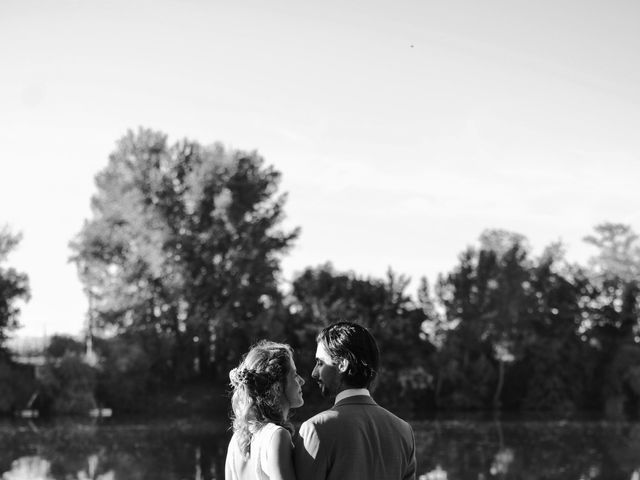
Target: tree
(613,311)
(488,298)
(68,384)
(559,364)
(14,286)
(615,274)
(61,345)
(185,242)
(618,251)
(322,296)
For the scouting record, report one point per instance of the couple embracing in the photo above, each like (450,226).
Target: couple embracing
(355,439)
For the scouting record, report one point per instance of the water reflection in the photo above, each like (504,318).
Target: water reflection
(437,474)
(567,450)
(501,461)
(32,468)
(38,468)
(112,452)
(447,450)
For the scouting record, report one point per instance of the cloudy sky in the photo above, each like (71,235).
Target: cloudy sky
(402,129)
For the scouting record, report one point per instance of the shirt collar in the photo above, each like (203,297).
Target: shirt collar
(351,392)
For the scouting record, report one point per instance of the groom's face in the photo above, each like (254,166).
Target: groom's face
(326,373)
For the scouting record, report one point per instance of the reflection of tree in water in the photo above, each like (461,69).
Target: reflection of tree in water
(107,453)
(159,455)
(12,449)
(529,450)
(38,468)
(436,474)
(446,450)
(92,471)
(502,461)
(504,457)
(455,447)
(622,443)
(28,468)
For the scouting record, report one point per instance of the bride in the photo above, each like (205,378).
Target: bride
(265,387)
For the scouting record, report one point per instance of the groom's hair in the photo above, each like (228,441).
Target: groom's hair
(355,344)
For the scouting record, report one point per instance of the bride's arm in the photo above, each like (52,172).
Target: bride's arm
(228,462)
(279,461)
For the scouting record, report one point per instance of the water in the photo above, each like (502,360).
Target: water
(567,450)
(447,450)
(113,451)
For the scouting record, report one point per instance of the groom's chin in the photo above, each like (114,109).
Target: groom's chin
(326,393)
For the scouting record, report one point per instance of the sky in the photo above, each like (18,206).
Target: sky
(402,129)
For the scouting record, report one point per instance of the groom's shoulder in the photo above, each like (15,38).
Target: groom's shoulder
(326,416)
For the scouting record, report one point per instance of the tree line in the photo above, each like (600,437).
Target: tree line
(181,263)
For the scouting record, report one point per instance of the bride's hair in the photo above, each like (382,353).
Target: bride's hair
(258,386)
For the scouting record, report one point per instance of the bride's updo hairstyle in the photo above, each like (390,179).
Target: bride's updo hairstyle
(258,386)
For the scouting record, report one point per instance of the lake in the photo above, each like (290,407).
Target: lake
(451,449)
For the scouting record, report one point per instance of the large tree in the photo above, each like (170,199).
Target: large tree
(185,243)
(488,297)
(613,313)
(559,362)
(14,285)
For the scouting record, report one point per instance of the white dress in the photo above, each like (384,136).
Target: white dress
(237,468)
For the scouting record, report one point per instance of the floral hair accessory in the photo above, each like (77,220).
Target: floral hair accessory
(241,376)
(257,382)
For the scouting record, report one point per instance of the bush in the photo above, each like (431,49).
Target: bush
(17,385)
(69,384)
(125,377)
(59,345)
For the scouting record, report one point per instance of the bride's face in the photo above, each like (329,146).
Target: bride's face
(293,387)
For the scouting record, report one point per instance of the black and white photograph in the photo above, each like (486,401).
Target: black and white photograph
(292,240)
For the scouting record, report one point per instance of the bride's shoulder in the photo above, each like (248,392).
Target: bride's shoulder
(274,438)
(269,427)
(269,430)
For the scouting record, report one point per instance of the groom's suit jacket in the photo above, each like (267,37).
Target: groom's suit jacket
(356,439)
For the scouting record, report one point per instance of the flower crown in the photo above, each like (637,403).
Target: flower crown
(255,381)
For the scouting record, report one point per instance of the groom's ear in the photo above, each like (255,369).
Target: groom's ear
(343,365)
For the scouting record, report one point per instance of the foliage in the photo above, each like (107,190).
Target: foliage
(612,303)
(60,345)
(322,296)
(558,364)
(14,286)
(184,243)
(612,311)
(489,297)
(181,263)
(126,369)
(516,340)
(618,251)
(69,384)
(17,385)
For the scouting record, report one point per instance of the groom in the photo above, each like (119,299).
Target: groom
(356,438)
